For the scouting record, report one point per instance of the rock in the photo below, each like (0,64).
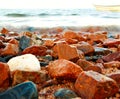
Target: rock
(85,47)
(24,42)
(10,49)
(112,57)
(70,34)
(93,85)
(4,76)
(48,43)
(64,69)
(115,76)
(2,45)
(86,65)
(65,93)
(102,51)
(67,52)
(71,41)
(112,64)
(37,77)
(35,50)
(99,36)
(4,31)
(111,42)
(14,41)
(27,62)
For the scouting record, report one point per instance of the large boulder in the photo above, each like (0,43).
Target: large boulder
(64,69)
(93,85)
(27,62)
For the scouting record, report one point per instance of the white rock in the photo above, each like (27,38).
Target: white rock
(27,62)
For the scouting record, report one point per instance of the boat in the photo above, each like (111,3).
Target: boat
(113,8)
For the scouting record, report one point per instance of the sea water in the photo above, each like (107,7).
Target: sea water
(57,17)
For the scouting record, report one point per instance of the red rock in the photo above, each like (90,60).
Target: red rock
(10,49)
(66,51)
(64,69)
(14,41)
(48,43)
(35,50)
(115,76)
(69,34)
(93,85)
(113,64)
(111,42)
(99,36)
(4,76)
(85,47)
(35,76)
(2,45)
(71,41)
(2,38)
(4,31)
(86,65)
(112,57)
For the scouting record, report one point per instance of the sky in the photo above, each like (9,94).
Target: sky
(41,4)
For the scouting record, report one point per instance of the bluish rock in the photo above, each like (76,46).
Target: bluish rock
(65,93)
(24,42)
(26,90)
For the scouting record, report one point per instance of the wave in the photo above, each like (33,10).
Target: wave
(16,15)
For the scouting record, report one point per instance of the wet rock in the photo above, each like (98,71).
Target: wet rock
(112,64)
(4,31)
(24,42)
(10,49)
(35,50)
(115,76)
(85,47)
(37,77)
(27,62)
(93,85)
(68,52)
(65,93)
(64,69)
(102,51)
(112,57)
(4,76)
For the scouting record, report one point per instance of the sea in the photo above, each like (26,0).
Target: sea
(57,17)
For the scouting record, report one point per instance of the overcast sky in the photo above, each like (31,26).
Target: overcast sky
(53,3)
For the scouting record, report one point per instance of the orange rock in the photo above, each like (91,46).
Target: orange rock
(14,41)
(85,47)
(99,36)
(93,85)
(69,34)
(35,50)
(64,69)
(4,76)
(68,52)
(4,31)
(48,43)
(71,41)
(10,49)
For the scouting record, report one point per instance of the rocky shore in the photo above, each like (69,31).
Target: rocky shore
(63,62)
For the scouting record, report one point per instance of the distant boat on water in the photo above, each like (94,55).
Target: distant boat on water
(113,8)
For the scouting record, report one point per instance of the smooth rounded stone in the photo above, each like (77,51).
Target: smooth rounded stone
(27,62)
(24,42)
(65,93)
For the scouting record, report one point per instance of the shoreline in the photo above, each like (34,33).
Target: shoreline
(109,28)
